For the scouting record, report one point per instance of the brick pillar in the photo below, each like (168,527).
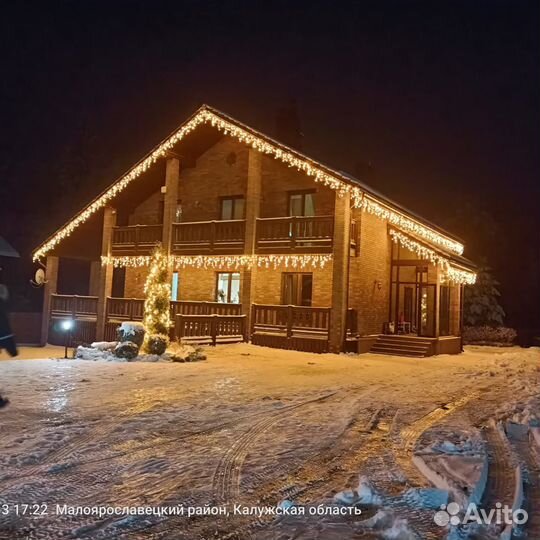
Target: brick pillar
(106,272)
(50,288)
(93,282)
(253,208)
(172,177)
(340,271)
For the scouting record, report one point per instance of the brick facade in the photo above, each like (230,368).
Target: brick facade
(369,277)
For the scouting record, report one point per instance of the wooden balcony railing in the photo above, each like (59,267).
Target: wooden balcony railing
(295,233)
(74,307)
(135,239)
(226,236)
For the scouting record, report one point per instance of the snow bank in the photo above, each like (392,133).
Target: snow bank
(461,468)
(363,494)
(389,526)
(104,345)
(89,353)
(430,498)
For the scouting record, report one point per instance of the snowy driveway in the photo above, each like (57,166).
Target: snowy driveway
(250,425)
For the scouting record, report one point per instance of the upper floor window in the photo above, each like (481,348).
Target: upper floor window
(232,207)
(228,287)
(301,203)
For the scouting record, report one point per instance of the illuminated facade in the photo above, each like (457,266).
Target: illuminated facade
(304,256)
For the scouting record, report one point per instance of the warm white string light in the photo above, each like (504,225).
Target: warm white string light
(224,261)
(403,222)
(451,272)
(205,115)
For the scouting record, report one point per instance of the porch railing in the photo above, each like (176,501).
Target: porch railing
(211,329)
(185,307)
(125,309)
(290,319)
(75,307)
(295,233)
(224,236)
(135,239)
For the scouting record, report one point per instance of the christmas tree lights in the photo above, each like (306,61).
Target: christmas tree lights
(157,292)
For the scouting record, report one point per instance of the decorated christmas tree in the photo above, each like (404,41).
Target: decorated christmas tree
(157,289)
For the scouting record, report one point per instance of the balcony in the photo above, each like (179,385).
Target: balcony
(135,239)
(209,237)
(297,234)
(292,234)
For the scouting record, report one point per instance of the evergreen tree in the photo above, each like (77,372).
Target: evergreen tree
(481,301)
(158,294)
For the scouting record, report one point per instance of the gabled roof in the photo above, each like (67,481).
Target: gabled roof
(6,250)
(362,196)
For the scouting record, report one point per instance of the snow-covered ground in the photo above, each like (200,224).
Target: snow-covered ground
(262,427)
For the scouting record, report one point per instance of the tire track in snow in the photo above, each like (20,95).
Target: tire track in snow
(226,479)
(404,445)
(530,461)
(501,480)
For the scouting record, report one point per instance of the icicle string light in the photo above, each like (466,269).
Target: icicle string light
(451,272)
(205,115)
(403,222)
(225,261)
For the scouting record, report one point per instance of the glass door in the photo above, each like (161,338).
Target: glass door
(426,309)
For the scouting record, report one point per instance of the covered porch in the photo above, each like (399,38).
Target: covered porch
(288,327)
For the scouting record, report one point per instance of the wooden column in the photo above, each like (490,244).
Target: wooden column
(340,272)
(105,273)
(50,288)
(172,177)
(93,282)
(252,209)
(436,302)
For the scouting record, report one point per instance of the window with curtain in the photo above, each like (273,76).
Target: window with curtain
(228,287)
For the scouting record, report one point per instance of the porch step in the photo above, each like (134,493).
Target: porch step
(410,346)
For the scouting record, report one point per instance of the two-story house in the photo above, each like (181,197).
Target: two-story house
(298,255)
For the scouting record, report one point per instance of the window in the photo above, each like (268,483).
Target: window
(301,203)
(232,207)
(296,289)
(174,287)
(228,287)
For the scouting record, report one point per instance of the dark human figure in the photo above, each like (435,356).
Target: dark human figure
(7,340)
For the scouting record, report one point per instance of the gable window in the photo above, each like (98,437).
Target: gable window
(228,287)
(232,207)
(296,289)
(301,203)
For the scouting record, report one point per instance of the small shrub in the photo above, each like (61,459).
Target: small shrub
(488,335)
(156,344)
(126,349)
(131,331)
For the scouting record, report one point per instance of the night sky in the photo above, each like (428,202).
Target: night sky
(436,104)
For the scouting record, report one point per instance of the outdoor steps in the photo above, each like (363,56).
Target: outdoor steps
(402,346)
